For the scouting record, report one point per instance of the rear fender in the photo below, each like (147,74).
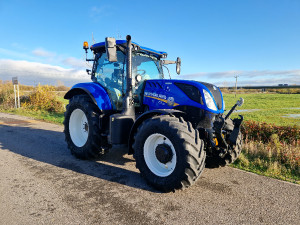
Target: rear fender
(96,92)
(146,116)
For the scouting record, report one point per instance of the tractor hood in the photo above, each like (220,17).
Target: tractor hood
(172,93)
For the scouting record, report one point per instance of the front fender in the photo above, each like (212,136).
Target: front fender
(148,115)
(96,92)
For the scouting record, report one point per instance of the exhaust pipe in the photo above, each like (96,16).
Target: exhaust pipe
(128,104)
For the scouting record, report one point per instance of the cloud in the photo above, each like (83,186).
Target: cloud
(99,12)
(74,62)
(254,78)
(43,53)
(5,53)
(31,73)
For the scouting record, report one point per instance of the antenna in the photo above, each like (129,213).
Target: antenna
(93,38)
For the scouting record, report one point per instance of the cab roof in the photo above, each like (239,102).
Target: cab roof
(99,47)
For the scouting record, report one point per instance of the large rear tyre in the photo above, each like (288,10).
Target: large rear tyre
(169,153)
(82,131)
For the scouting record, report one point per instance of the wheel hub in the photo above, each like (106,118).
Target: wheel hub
(163,153)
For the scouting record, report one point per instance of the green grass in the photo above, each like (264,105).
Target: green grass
(272,107)
(268,167)
(64,101)
(40,115)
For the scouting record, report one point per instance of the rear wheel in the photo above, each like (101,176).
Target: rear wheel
(82,131)
(169,153)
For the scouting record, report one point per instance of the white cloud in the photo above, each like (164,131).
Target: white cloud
(254,78)
(43,53)
(32,73)
(74,62)
(7,53)
(97,13)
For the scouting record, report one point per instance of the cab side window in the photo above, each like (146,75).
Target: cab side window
(112,77)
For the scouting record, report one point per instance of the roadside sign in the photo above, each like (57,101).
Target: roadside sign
(15,80)
(16,91)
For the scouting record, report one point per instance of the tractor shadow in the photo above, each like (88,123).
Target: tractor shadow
(49,147)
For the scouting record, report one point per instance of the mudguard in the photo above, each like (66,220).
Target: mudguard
(96,92)
(148,115)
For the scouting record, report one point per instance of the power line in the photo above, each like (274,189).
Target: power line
(236,77)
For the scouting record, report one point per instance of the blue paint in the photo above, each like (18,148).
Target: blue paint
(157,97)
(98,92)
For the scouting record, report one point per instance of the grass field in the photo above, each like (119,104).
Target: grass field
(269,108)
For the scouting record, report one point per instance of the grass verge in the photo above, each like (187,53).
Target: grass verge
(52,117)
(266,166)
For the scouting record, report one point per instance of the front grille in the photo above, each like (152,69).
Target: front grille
(191,91)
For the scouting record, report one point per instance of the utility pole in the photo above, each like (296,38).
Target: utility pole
(236,77)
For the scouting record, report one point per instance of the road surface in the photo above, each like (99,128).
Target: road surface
(42,183)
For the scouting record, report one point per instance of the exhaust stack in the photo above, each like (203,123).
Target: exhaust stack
(128,104)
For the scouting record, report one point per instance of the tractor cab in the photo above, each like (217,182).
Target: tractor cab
(146,65)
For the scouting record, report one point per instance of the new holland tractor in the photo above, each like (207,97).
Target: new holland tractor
(173,128)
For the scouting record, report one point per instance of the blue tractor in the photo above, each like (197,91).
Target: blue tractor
(173,128)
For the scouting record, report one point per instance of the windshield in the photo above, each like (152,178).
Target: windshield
(147,66)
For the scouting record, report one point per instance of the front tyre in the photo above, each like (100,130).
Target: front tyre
(81,128)
(169,153)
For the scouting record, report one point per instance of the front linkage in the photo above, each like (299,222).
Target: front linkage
(225,139)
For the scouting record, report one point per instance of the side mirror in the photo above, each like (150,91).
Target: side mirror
(111,49)
(178,65)
(240,102)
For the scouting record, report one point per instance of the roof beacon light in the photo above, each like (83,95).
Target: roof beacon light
(85,45)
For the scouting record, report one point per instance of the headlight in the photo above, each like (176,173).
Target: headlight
(209,101)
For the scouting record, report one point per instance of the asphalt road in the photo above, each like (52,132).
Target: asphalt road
(42,183)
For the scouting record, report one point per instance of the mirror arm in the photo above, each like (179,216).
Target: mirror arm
(166,62)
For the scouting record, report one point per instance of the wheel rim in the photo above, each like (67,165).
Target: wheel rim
(78,127)
(153,163)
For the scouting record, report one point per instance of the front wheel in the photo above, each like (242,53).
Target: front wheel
(169,153)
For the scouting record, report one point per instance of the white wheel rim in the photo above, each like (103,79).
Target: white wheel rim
(156,167)
(78,127)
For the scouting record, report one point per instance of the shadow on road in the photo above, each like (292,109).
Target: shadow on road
(49,147)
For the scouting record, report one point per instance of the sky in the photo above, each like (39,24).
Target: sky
(256,40)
